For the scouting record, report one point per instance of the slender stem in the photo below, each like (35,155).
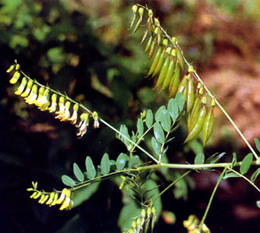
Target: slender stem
(173,183)
(244,177)
(211,199)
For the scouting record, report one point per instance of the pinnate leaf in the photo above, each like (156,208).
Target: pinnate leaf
(173,109)
(156,146)
(121,161)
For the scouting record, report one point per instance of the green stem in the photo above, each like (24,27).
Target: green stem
(245,178)
(173,183)
(211,199)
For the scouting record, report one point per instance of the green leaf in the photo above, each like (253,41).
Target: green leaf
(230,175)
(246,163)
(78,173)
(215,157)
(257,143)
(140,127)
(134,161)
(149,118)
(156,146)
(127,215)
(258,204)
(121,161)
(84,194)
(91,170)
(105,164)
(180,101)
(165,121)
(159,133)
(255,175)
(159,113)
(199,159)
(68,181)
(123,130)
(173,109)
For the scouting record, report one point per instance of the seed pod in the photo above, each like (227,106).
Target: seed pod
(208,126)
(149,42)
(170,71)
(155,60)
(198,125)
(28,89)
(134,9)
(152,48)
(22,86)
(164,68)
(190,94)
(194,113)
(183,86)
(175,81)
(161,59)
(15,77)
(140,19)
(144,36)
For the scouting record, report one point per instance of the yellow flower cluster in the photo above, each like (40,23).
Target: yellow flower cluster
(192,225)
(47,100)
(62,198)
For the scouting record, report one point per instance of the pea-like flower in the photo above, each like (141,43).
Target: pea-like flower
(83,124)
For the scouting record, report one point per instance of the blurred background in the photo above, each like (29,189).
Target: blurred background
(84,48)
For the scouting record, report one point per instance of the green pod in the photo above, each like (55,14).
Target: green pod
(149,43)
(179,56)
(152,48)
(164,69)
(208,126)
(144,36)
(140,19)
(194,113)
(134,9)
(169,74)
(155,60)
(195,131)
(183,84)
(159,64)
(175,81)
(190,94)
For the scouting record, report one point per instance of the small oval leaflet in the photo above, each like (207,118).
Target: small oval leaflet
(91,171)
(156,146)
(246,163)
(158,133)
(173,109)
(78,173)
(121,161)
(105,164)
(68,181)
(140,127)
(149,118)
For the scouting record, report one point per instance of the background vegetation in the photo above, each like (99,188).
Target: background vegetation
(83,48)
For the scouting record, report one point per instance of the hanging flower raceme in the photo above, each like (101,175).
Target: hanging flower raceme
(47,99)
(63,198)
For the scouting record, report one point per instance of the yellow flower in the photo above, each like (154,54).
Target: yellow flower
(65,114)
(53,106)
(33,95)
(73,119)
(22,86)
(84,117)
